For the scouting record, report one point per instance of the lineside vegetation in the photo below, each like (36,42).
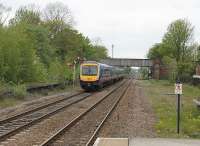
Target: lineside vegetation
(165,109)
(41,45)
(177,50)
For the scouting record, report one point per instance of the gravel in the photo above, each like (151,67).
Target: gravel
(133,117)
(40,132)
(80,133)
(28,105)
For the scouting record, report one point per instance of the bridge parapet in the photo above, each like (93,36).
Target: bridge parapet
(154,65)
(128,62)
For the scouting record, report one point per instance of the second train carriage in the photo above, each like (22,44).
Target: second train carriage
(94,75)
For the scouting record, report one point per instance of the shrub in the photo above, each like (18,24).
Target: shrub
(19,90)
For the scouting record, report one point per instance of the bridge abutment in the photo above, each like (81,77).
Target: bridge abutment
(156,69)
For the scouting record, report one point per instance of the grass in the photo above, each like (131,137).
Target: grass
(18,91)
(165,109)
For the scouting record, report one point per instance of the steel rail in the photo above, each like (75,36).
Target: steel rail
(75,120)
(92,138)
(28,124)
(38,108)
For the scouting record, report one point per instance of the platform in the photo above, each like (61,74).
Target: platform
(163,142)
(146,142)
(111,142)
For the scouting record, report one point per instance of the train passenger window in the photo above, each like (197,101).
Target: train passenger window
(106,72)
(89,70)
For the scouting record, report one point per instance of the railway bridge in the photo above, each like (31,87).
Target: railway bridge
(154,65)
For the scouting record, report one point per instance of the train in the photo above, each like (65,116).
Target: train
(95,75)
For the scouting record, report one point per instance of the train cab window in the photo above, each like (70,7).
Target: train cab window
(89,70)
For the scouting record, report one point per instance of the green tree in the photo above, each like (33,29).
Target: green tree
(177,48)
(10,56)
(40,40)
(155,51)
(36,47)
(178,38)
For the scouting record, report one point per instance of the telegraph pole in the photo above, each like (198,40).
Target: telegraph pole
(112,50)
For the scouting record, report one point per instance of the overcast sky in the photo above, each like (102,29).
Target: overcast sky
(133,26)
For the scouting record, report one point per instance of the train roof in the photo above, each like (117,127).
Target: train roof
(101,64)
(85,62)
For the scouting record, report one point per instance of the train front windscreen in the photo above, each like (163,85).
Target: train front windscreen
(89,70)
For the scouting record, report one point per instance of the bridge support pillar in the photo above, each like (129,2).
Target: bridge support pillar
(198,69)
(156,69)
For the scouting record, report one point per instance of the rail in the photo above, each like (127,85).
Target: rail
(75,120)
(55,136)
(28,118)
(93,137)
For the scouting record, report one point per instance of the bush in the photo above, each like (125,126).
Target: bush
(172,67)
(58,72)
(19,90)
(41,74)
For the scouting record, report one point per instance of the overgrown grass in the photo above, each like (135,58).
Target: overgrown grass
(3,87)
(165,109)
(19,90)
(18,94)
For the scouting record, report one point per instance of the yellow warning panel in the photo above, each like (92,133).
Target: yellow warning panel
(111,142)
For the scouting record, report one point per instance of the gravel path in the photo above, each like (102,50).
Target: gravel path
(133,116)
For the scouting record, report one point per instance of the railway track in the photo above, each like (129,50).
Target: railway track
(82,130)
(15,124)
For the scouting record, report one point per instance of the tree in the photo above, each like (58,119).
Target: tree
(197,53)
(4,13)
(155,51)
(28,15)
(177,50)
(96,52)
(41,43)
(35,49)
(58,12)
(178,38)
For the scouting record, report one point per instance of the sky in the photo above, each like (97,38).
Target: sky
(132,26)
